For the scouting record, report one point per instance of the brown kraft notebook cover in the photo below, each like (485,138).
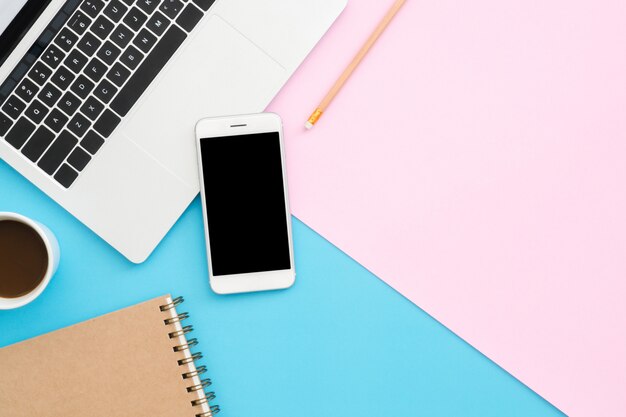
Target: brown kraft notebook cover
(133,362)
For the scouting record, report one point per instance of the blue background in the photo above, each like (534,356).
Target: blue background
(340,342)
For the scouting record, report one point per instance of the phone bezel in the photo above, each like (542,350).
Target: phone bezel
(207,129)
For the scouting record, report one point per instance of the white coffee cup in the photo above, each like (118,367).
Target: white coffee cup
(53,252)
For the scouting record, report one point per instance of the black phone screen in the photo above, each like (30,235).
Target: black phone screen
(245,203)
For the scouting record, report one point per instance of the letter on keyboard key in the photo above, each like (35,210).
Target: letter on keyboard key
(56,120)
(158,23)
(135,19)
(107,123)
(89,44)
(121,36)
(75,61)
(58,151)
(118,74)
(148,70)
(20,132)
(79,125)
(92,108)
(144,40)
(115,10)
(66,176)
(147,6)
(102,27)
(36,111)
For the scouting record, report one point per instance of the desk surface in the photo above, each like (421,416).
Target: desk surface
(340,342)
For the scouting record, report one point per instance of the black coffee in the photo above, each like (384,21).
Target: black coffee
(23,259)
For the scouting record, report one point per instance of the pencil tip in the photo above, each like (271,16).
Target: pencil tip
(308,125)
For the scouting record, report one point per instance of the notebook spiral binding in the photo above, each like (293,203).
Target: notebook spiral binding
(206,397)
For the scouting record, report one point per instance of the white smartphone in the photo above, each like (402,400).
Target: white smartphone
(243,185)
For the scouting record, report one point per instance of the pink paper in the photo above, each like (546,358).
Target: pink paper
(476,162)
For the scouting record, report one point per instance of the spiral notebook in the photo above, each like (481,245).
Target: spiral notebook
(134,362)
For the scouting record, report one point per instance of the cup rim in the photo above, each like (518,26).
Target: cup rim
(27,298)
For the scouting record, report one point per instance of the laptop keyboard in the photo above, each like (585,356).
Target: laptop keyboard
(84,74)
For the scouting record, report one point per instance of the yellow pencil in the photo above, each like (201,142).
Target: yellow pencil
(355,63)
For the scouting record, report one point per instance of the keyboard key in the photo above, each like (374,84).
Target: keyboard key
(92,7)
(38,144)
(70,6)
(92,108)
(82,86)
(121,36)
(147,6)
(66,176)
(49,95)
(79,22)
(105,91)
(40,73)
(56,120)
(92,142)
(75,61)
(131,57)
(189,18)
(27,90)
(118,74)
(158,23)
(19,71)
(59,20)
(22,129)
(145,40)
(102,27)
(36,111)
(5,88)
(29,58)
(66,39)
(79,125)
(95,70)
(5,123)
(69,103)
(109,52)
(115,10)
(204,4)
(135,19)
(57,152)
(13,107)
(62,78)
(107,123)
(44,39)
(79,159)
(148,70)
(53,56)
(171,8)
(89,44)
(128,2)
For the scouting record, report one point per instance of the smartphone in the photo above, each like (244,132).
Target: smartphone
(243,186)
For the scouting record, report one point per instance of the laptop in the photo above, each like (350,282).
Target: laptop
(99,99)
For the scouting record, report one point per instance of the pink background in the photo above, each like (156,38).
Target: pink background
(476,163)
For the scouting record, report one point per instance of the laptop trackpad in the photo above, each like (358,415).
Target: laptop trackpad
(218,72)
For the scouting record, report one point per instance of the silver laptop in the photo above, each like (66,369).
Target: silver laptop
(99,99)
